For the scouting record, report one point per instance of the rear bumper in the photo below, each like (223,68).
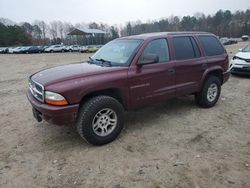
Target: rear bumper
(59,115)
(226,76)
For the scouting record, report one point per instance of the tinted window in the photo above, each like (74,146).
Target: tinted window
(195,47)
(184,49)
(158,47)
(211,45)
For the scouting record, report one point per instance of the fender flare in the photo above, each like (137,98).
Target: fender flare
(207,72)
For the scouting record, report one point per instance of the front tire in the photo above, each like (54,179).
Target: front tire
(100,120)
(210,92)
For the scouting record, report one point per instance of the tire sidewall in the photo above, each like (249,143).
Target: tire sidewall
(210,81)
(84,124)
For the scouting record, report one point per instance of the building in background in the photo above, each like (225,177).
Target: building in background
(85,36)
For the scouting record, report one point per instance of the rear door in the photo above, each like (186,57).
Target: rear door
(152,82)
(190,64)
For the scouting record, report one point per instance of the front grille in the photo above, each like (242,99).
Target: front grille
(36,90)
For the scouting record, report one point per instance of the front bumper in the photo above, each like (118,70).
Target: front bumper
(59,115)
(240,70)
(240,67)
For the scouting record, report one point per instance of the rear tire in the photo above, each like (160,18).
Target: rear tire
(100,120)
(210,92)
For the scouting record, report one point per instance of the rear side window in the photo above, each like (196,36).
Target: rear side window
(158,47)
(185,48)
(211,45)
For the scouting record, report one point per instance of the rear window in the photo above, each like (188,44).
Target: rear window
(211,45)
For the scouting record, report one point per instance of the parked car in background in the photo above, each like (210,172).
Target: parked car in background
(83,49)
(91,49)
(233,41)
(43,48)
(11,50)
(227,41)
(55,48)
(224,41)
(245,37)
(240,63)
(34,49)
(24,49)
(73,48)
(129,73)
(17,50)
(3,50)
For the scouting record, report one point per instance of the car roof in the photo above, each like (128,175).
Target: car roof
(164,34)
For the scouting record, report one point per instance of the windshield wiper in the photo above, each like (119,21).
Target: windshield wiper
(105,62)
(91,60)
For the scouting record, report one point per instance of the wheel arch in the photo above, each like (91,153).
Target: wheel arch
(216,71)
(112,92)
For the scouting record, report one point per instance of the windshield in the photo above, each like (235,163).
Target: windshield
(117,52)
(246,49)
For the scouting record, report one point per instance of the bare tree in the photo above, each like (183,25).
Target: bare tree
(43,27)
(54,29)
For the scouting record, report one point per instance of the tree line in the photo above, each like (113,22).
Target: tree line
(222,23)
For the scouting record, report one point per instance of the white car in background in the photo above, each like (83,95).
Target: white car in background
(74,48)
(55,48)
(240,63)
(3,50)
(11,50)
(17,50)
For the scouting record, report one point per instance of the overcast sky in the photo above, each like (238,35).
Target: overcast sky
(111,11)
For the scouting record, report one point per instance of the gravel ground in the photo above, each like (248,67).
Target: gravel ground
(174,144)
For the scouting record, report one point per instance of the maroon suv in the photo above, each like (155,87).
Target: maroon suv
(128,73)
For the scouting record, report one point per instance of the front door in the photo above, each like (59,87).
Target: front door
(151,83)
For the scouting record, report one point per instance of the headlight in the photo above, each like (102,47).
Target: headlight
(235,57)
(55,99)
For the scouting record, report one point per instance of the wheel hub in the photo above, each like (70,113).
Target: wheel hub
(104,122)
(212,92)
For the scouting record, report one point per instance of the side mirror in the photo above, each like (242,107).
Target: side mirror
(240,50)
(148,59)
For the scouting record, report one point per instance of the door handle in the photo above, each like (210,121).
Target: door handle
(204,66)
(171,71)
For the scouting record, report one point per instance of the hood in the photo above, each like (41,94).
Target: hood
(68,72)
(244,55)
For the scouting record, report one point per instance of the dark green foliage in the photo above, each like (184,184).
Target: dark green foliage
(13,36)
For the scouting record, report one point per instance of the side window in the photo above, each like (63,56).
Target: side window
(211,45)
(158,47)
(185,48)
